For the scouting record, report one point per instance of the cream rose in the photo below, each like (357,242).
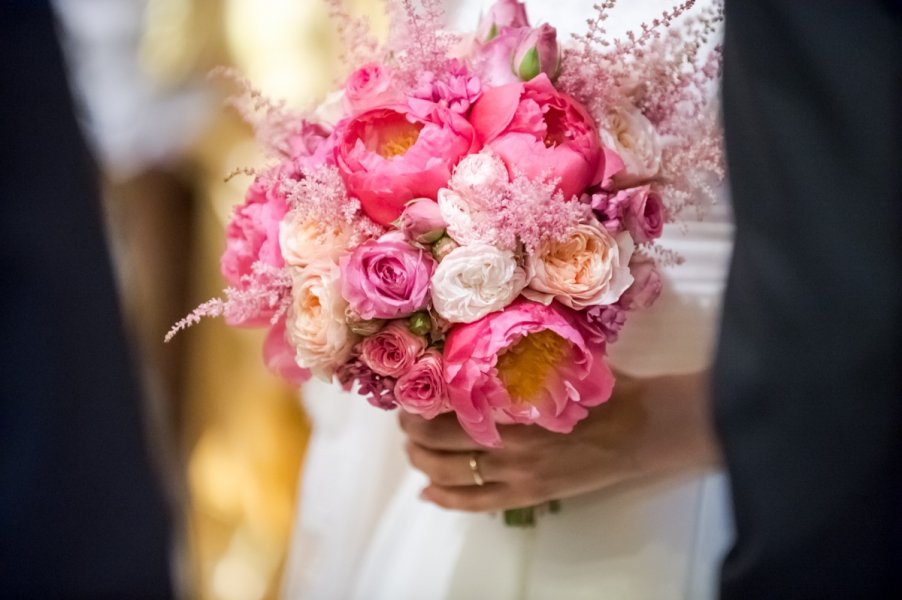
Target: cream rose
(590,268)
(304,242)
(316,324)
(473,281)
(634,138)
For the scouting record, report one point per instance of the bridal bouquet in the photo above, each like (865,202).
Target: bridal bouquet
(466,223)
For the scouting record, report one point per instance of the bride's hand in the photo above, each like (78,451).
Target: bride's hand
(649,426)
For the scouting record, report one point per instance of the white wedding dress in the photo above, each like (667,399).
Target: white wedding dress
(363,533)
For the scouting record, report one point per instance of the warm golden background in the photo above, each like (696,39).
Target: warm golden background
(229,437)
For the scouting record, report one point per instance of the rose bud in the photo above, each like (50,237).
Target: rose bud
(422,221)
(502,14)
(420,323)
(538,52)
(443,247)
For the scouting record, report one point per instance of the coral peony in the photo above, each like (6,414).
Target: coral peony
(526,364)
(389,156)
(540,132)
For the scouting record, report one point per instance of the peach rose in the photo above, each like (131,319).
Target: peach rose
(316,324)
(588,269)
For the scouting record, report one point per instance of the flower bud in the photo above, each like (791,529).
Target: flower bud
(443,247)
(420,323)
(422,222)
(504,13)
(538,52)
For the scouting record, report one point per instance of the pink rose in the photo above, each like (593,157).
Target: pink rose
(370,86)
(538,52)
(643,213)
(387,278)
(502,14)
(389,156)
(422,389)
(279,356)
(537,130)
(526,364)
(647,284)
(422,221)
(392,351)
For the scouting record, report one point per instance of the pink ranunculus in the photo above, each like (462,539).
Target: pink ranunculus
(643,213)
(389,156)
(501,15)
(538,52)
(393,350)
(539,131)
(370,86)
(422,222)
(647,284)
(422,389)
(279,356)
(386,278)
(529,363)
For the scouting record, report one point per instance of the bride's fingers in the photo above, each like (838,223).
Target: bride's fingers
(440,433)
(491,497)
(452,468)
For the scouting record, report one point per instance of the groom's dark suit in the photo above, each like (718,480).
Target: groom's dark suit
(808,384)
(80,513)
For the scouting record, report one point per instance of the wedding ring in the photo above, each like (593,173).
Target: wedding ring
(474,469)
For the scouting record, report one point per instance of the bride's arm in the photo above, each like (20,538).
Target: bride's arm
(649,427)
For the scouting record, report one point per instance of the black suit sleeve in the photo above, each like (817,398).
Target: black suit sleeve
(81,514)
(808,392)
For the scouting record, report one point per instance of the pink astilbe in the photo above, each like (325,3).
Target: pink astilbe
(668,69)
(417,40)
(263,298)
(320,196)
(525,211)
(357,42)
(273,123)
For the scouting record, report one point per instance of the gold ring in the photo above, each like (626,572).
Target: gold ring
(474,469)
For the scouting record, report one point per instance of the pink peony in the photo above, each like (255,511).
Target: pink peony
(647,284)
(526,364)
(422,222)
(386,278)
(389,156)
(502,14)
(539,131)
(279,356)
(422,389)
(253,233)
(392,351)
(370,86)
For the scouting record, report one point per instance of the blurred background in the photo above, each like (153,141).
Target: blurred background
(228,437)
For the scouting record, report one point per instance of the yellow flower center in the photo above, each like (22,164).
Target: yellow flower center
(525,366)
(399,140)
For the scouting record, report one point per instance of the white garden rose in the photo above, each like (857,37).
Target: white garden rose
(458,214)
(316,324)
(305,241)
(634,138)
(590,268)
(331,110)
(473,281)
